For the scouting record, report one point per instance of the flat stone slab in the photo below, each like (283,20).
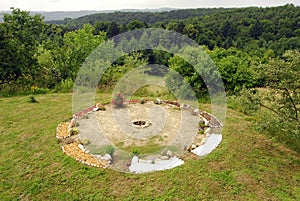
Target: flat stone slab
(157,166)
(211,143)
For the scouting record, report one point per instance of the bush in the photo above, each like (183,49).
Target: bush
(135,151)
(32,99)
(65,86)
(245,102)
(109,149)
(282,130)
(118,100)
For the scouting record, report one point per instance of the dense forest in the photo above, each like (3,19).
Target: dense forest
(253,49)
(276,28)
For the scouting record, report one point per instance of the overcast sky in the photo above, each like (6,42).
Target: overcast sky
(75,5)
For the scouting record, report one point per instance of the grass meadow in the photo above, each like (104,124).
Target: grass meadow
(246,165)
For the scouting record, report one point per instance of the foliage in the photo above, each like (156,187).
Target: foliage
(65,86)
(65,60)
(109,149)
(135,151)
(118,100)
(282,79)
(246,101)
(281,98)
(274,28)
(50,55)
(32,99)
(117,70)
(236,68)
(20,35)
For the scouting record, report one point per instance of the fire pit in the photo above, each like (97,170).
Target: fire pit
(141,123)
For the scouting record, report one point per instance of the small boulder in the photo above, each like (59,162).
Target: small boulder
(81,147)
(150,161)
(164,158)
(185,106)
(195,111)
(134,160)
(107,157)
(99,106)
(157,101)
(207,131)
(169,153)
(72,123)
(97,156)
(70,131)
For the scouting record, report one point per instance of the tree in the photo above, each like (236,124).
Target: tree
(135,24)
(20,35)
(66,59)
(282,79)
(236,69)
(113,30)
(280,99)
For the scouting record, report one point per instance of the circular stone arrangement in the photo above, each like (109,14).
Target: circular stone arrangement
(81,145)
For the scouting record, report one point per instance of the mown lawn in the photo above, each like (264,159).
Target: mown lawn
(246,166)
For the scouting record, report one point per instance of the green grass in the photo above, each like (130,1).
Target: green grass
(246,166)
(152,92)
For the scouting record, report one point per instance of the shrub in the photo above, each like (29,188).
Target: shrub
(65,86)
(109,149)
(118,100)
(135,151)
(32,99)
(85,142)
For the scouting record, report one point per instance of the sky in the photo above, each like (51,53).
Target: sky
(76,5)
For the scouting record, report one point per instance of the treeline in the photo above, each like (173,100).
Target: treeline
(150,18)
(275,28)
(35,53)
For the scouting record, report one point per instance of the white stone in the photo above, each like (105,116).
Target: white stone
(196,111)
(134,160)
(169,153)
(150,161)
(207,131)
(107,157)
(164,157)
(97,156)
(157,166)
(142,161)
(73,122)
(81,147)
(211,143)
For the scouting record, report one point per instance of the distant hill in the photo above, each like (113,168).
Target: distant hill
(147,16)
(56,15)
(61,15)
